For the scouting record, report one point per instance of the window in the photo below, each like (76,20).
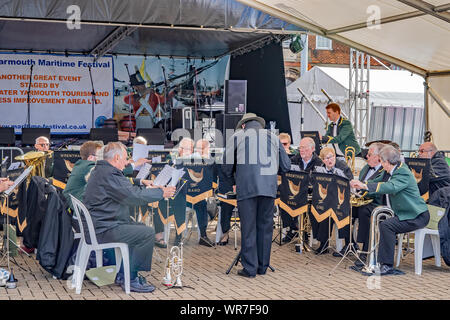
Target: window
(323,43)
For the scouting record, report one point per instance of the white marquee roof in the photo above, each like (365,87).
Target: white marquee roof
(420,43)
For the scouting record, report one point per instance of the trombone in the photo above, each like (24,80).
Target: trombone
(349,154)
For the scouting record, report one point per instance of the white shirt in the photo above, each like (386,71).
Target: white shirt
(305,163)
(371,172)
(388,202)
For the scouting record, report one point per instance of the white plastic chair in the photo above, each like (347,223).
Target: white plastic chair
(85,249)
(419,238)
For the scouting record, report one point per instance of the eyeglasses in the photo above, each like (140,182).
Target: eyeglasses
(329,157)
(423,150)
(44,144)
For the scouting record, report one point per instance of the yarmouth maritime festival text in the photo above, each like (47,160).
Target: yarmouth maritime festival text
(54,63)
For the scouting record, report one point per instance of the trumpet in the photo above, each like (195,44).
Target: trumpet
(349,154)
(379,213)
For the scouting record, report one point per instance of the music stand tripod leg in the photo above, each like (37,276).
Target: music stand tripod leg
(350,248)
(235,262)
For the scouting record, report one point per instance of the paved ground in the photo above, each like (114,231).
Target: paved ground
(297,276)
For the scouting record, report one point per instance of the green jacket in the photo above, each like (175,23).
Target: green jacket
(345,136)
(403,193)
(377,199)
(76,184)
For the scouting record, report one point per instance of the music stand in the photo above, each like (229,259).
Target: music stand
(236,261)
(7,193)
(350,247)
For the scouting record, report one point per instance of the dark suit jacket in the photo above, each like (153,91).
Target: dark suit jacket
(253,177)
(315,162)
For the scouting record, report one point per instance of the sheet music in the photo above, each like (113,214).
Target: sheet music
(19,180)
(156,159)
(177,174)
(139,151)
(144,172)
(14,166)
(155,147)
(164,176)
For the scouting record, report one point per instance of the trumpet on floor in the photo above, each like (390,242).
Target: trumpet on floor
(174,267)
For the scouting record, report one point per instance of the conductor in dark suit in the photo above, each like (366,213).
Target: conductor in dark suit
(254,156)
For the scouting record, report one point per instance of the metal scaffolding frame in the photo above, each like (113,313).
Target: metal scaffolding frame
(359,102)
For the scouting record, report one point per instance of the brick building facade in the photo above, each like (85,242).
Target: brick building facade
(321,52)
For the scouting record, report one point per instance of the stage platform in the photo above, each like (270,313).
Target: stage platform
(297,277)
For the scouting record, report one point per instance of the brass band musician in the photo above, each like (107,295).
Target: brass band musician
(371,171)
(401,193)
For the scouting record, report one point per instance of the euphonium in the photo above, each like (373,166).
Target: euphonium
(349,154)
(377,214)
(357,200)
(36,159)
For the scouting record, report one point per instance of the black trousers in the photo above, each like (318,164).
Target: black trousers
(226,212)
(389,228)
(363,214)
(202,216)
(256,233)
(140,240)
(288,220)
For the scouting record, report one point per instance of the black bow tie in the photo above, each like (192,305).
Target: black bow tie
(372,168)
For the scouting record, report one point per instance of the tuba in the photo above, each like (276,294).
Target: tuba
(379,213)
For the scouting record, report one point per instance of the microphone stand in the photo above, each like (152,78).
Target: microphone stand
(165,102)
(93,97)
(28,97)
(129,102)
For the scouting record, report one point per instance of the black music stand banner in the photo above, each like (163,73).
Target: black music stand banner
(199,182)
(420,168)
(63,163)
(294,193)
(17,203)
(341,215)
(324,196)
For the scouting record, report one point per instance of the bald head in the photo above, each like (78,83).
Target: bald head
(42,144)
(427,150)
(185,147)
(202,147)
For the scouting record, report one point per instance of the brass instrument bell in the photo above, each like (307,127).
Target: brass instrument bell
(349,154)
(36,159)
